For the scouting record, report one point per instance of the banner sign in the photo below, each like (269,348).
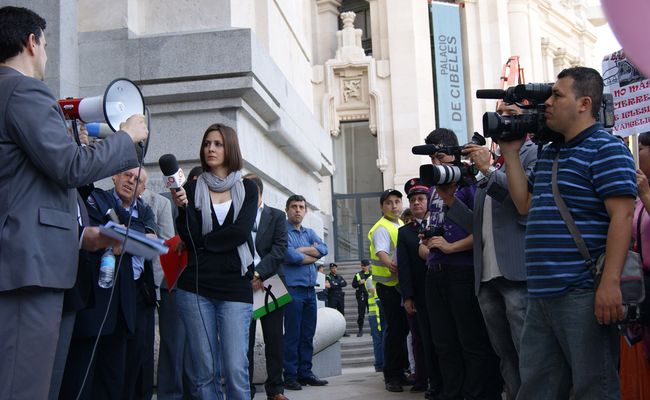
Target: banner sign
(631,93)
(449,73)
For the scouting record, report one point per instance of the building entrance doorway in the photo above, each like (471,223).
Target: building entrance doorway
(356,186)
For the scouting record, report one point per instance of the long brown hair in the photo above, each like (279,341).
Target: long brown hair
(232,157)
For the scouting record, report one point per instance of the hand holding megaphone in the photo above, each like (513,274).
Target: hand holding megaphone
(136,127)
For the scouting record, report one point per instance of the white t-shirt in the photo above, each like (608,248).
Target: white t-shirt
(382,242)
(221,210)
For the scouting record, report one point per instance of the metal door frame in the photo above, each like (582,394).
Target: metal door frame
(357,204)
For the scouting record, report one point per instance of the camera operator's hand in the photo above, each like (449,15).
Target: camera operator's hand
(439,242)
(447,193)
(511,147)
(609,303)
(479,155)
(136,127)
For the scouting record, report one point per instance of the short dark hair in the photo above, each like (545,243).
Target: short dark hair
(257,180)
(295,198)
(231,153)
(443,136)
(194,173)
(16,24)
(587,82)
(644,138)
(407,213)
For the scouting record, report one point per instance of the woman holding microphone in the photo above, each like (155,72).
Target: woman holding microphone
(214,292)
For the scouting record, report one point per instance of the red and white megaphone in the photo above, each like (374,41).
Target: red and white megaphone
(121,99)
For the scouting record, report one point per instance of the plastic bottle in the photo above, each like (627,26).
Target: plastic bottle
(107,269)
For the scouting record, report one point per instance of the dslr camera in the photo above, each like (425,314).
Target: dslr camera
(429,231)
(530,98)
(460,172)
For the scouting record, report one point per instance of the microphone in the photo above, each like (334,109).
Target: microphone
(425,149)
(490,94)
(173,175)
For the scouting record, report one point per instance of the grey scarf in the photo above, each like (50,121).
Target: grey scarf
(203,203)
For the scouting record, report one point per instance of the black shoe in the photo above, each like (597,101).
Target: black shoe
(394,386)
(346,334)
(407,380)
(379,369)
(419,388)
(432,394)
(359,334)
(292,385)
(313,381)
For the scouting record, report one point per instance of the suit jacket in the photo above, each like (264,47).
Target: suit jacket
(271,242)
(162,212)
(123,303)
(411,268)
(41,167)
(508,226)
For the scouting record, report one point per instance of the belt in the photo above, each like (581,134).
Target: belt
(436,267)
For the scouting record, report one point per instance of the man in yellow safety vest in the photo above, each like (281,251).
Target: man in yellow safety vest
(383,242)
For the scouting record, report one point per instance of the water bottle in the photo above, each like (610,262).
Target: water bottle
(107,269)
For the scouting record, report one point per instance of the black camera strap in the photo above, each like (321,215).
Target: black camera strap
(566,216)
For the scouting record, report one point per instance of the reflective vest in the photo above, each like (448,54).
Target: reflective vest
(373,308)
(381,273)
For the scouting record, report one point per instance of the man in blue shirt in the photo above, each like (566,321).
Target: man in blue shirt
(569,338)
(304,248)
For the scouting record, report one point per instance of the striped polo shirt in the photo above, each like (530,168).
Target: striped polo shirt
(592,167)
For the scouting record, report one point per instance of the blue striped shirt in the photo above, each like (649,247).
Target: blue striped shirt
(592,167)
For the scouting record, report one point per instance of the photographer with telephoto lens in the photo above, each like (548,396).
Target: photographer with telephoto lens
(468,364)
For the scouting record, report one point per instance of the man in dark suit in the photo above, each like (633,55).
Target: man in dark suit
(39,240)
(412,271)
(120,355)
(270,238)
(499,265)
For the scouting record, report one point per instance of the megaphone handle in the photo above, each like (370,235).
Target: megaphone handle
(75,132)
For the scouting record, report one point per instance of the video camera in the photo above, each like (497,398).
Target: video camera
(530,97)
(460,172)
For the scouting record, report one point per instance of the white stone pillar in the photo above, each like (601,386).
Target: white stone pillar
(325,37)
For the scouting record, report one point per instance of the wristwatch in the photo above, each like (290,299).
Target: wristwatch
(489,171)
(257,275)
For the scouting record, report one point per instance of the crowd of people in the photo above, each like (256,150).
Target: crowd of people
(484,275)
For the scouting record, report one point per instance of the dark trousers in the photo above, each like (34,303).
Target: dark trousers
(430,357)
(420,371)
(272,324)
(173,368)
(469,366)
(337,301)
(395,352)
(65,335)
(29,333)
(106,374)
(362,307)
(138,379)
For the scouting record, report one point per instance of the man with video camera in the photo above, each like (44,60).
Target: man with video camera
(499,267)
(467,361)
(569,337)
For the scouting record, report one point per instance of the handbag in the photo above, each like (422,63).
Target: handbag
(632,285)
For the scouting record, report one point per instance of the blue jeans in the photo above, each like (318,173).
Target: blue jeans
(377,339)
(217,335)
(563,345)
(299,329)
(503,304)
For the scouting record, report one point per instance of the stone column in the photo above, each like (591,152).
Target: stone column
(327,17)
(62,70)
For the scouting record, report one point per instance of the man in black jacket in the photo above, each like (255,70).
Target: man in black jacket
(359,283)
(411,267)
(270,239)
(335,295)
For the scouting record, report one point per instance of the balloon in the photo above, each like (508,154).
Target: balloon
(629,22)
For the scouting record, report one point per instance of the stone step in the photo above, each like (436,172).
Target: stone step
(355,342)
(357,352)
(357,362)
